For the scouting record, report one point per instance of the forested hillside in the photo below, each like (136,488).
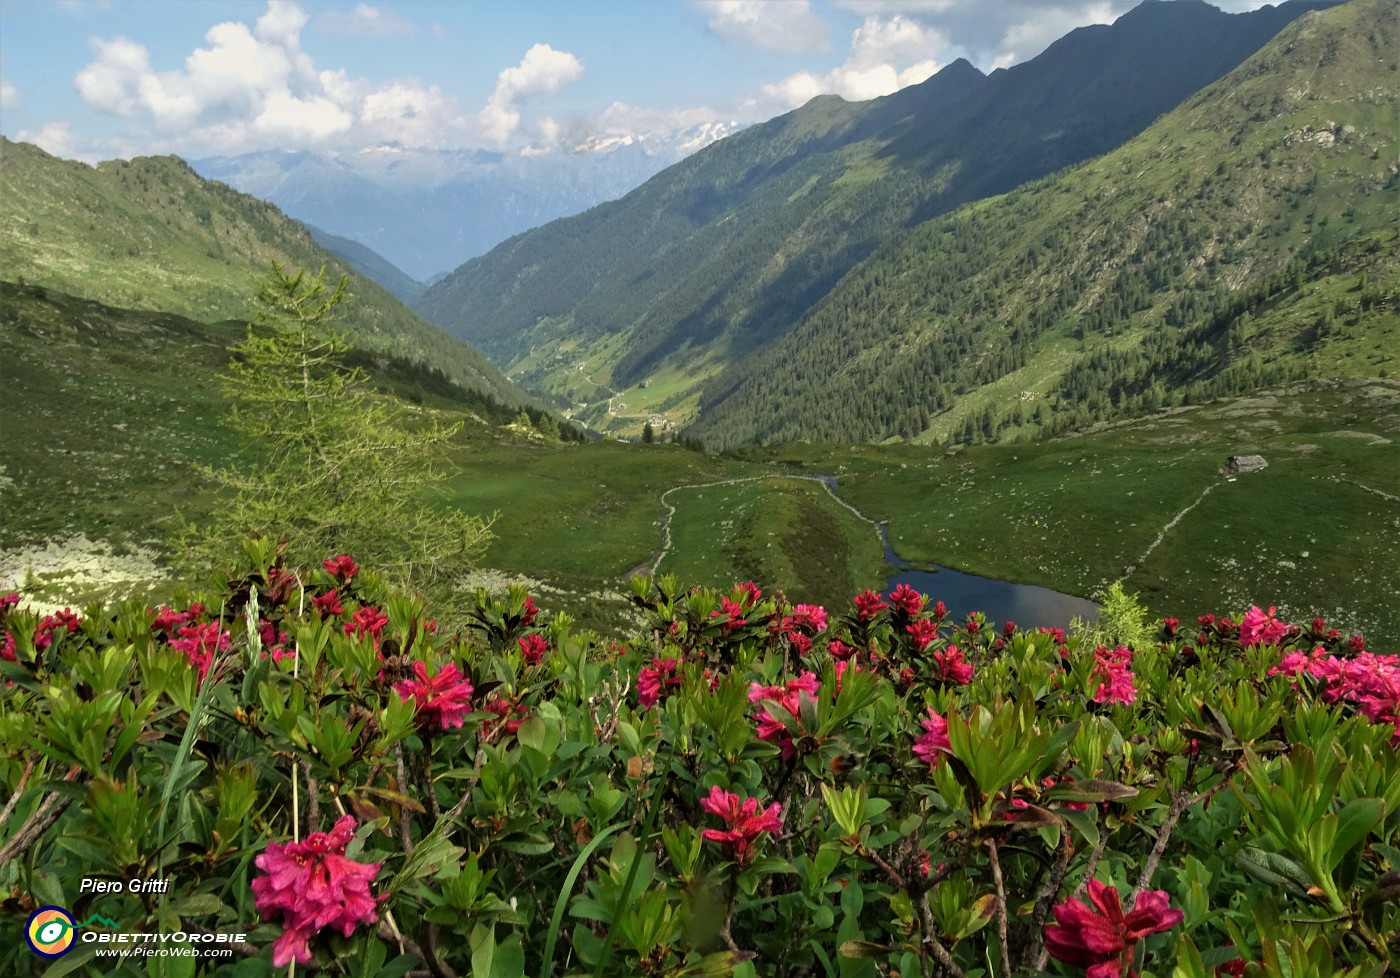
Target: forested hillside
(684,279)
(1246,238)
(150,234)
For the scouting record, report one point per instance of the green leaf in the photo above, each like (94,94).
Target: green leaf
(865,949)
(1354,822)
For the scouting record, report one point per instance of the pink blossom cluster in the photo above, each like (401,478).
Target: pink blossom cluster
(506,716)
(441,700)
(311,885)
(1368,681)
(201,642)
(806,621)
(931,746)
(1116,679)
(367,620)
(951,667)
(787,696)
(657,679)
(1101,937)
(1260,627)
(65,619)
(533,648)
(743,823)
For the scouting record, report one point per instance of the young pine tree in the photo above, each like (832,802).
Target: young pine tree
(328,465)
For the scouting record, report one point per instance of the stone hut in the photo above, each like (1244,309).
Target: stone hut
(1237,464)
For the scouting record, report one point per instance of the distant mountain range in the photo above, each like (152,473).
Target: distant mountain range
(845,272)
(427,211)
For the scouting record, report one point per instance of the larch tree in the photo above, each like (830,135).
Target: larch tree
(328,464)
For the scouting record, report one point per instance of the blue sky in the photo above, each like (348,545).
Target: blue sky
(93,79)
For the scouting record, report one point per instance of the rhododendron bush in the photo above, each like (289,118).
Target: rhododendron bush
(745,786)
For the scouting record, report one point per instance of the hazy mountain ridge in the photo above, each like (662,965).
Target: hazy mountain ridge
(370,264)
(151,234)
(427,211)
(686,277)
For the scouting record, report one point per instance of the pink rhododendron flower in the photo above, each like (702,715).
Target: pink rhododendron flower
(342,568)
(1371,682)
(441,700)
(654,680)
(1057,635)
(930,746)
(923,631)
(65,619)
(1261,628)
(507,716)
(270,634)
(311,885)
(528,612)
(744,823)
(328,605)
(952,668)
(367,620)
(749,593)
(908,600)
(1116,680)
(841,667)
(839,650)
(732,614)
(1102,938)
(7,650)
(201,642)
(533,648)
(280,584)
(789,697)
(810,618)
(869,604)
(8,601)
(167,620)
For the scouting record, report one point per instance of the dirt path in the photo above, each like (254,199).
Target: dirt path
(827,483)
(1165,530)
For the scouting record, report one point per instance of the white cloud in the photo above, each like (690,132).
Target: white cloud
(886,54)
(9,95)
(56,139)
(870,7)
(774,25)
(253,88)
(542,70)
(287,119)
(1026,38)
(112,82)
(365,20)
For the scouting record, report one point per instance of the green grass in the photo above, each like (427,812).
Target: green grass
(778,532)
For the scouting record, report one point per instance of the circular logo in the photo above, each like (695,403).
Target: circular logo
(50,932)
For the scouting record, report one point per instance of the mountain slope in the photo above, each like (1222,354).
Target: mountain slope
(1181,259)
(711,260)
(370,264)
(149,233)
